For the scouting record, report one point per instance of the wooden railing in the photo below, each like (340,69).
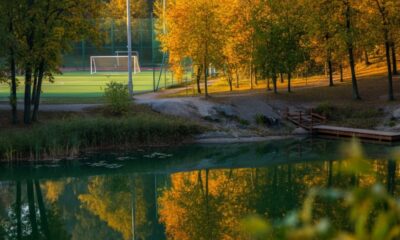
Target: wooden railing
(305,119)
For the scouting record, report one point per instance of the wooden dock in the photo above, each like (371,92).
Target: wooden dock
(374,135)
(315,124)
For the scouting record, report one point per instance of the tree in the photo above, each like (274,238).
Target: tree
(349,38)
(191,29)
(44,30)
(294,40)
(8,40)
(381,16)
(113,15)
(323,31)
(239,46)
(280,39)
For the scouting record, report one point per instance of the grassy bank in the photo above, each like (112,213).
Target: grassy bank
(70,136)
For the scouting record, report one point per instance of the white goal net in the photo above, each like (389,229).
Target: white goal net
(113,64)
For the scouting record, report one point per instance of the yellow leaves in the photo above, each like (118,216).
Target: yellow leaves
(117,9)
(112,208)
(217,197)
(219,30)
(53,190)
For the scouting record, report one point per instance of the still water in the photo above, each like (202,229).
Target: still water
(191,192)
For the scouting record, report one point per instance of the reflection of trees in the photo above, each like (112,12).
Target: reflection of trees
(207,204)
(203,204)
(32,210)
(89,227)
(53,190)
(32,220)
(391,176)
(18,211)
(125,203)
(109,199)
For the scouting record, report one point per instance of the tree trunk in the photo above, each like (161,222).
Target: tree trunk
(42,211)
(13,97)
(282,80)
(198,78)
(268,84)
(35,80)
(274,81)
(356,95)
(389,67)
(38,91)
(229,73)
(366,58)
(394,59)
(341,73)
(205,73)
(330,68)
(237,78)
(18,205)
(28,73)
(255,76)
(27,100)
(32,210)
(289,82)
(251,76)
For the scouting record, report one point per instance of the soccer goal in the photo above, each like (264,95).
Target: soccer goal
(125,53)
(114,64)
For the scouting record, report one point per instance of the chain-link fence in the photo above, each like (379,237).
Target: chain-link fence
(76,79)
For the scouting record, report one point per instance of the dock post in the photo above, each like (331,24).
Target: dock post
(312,123)
(287,113)
(300,118)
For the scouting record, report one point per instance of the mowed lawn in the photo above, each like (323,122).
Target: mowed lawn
(85,85)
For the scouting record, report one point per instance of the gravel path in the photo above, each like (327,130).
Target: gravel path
(55,107)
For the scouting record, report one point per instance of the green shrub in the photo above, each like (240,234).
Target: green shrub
(117,98)
(261,119)
(243,122)
(326,109)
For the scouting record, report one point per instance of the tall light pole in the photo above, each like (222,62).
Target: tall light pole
(129,33)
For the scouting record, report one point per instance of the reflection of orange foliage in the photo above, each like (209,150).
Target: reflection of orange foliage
(53,190)
(111,207)
(189,212)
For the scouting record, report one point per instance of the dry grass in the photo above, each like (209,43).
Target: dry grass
(314,91)
(372,84)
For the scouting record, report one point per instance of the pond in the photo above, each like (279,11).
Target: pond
(190,192)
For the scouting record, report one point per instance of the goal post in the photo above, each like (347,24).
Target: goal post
(113,64)
(125,53)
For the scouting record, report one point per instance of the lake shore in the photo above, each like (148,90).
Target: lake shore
(62,135)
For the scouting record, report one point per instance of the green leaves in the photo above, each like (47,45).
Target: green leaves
(354,160)
(256,226)
(117,98)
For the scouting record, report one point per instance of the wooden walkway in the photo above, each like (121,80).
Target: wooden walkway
(374,135)
(307,120)
(315,124)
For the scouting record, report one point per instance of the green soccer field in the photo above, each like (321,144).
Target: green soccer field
(85,85)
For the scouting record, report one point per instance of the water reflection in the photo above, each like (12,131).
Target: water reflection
(201,192)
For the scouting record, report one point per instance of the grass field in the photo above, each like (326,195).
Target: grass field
(83,85)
